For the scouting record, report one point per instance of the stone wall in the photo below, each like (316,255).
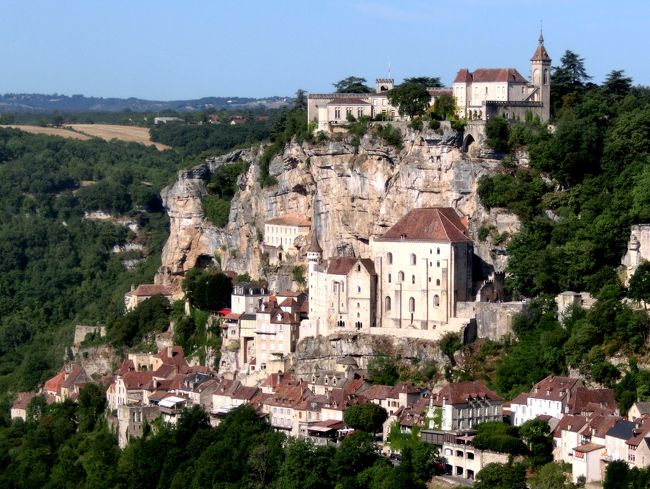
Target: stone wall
(638,249)
(83,330)
(493,319)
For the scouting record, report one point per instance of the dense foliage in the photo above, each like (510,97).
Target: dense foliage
(366,417)
(221,189)
(63,445)
(57,267)
(586,184)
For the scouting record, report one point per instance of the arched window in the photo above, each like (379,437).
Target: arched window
(358,289)
(438,281)
(436,300)
(358,305)
(412,279)
(389,278)
(411,304)
(400,277)
(545,81)
(437,263)
(387,302)
(413,259)
(389,258)
(438,251)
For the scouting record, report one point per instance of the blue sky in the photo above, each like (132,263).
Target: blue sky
(175,49)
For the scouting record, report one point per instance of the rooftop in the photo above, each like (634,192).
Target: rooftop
(437,224)
(293,219)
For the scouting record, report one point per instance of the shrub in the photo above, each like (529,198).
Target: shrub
(391,135)
(434,124)
(417,124)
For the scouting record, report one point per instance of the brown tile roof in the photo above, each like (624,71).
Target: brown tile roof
(347,101)
(588,447)
(138,380)
(554,388)
(520,399)
(74,375)
(165,371)
(341,265)
(570,423)
(488,75)
(148,290)
(53,385)
(23,400)
(378,392)
(126,366)
(438,224)
(175,357)
(586,400)
(404,388)
(245,393)
(461,392)
(599,425)
(314,246)
(640,432)
(232,315)
(540,53)
(292,219)
(287,293)
(288,302)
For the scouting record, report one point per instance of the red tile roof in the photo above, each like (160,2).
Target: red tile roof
(570,423)
(347,101)
(438,224)
(293,219)
(586,400)
(461,392)
(148,290)
(23,400)
(488,75)
(138,380)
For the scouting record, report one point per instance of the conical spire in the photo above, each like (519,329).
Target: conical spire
(540,53)
(313,246)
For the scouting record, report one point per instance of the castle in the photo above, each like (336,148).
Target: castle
(479,94)
(489,92)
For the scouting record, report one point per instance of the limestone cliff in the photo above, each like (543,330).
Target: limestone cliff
(351,192)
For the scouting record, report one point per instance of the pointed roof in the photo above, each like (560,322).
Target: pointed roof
(313,246)
(437,224)
(540,53)
(487,75)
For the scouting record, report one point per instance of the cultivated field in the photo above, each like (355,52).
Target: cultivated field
(103,131)
(50,131)
(123,133)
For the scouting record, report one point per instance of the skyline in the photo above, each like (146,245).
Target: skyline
(162,50)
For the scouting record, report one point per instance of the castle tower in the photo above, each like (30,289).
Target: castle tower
(540,71)
(314,252)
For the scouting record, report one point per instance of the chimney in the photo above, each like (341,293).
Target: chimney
(170,351)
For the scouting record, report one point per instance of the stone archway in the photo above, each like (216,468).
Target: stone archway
(467,142)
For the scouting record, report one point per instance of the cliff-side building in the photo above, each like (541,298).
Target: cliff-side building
(487,92)
(418,271)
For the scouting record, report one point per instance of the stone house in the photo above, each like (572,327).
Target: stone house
(131,420)
(488,92)
(638,410)
(285,236)
(66,384)
(466,404)
(19,406)
(143,292)
(558,396)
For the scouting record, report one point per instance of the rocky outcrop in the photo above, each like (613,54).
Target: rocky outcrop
(351,192)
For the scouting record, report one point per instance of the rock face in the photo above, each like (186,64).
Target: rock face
(351,192)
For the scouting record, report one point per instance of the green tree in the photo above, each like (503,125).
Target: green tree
(366,417)
(207,290)
(639,289)
(382,370)
(501,476)
(450,344)
(425,81)
(412,99)
(445,107)
(616,475)
(499,437)
(568,79)
(553,475)
(617,84)
(352,84)
(536,434)
(497,134)
(92,404)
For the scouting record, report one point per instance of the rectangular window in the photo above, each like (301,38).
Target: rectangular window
(359,112)
(337,113)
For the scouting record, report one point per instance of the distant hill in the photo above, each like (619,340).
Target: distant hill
(34,102)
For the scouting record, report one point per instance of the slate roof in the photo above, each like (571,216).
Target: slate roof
(342,265)
(313,246)
(622,430)
(437,224)
(540,53)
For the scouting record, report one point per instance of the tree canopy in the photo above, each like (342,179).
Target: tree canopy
(352,84)
(412,99)
(366,417)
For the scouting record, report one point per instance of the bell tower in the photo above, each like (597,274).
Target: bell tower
(540,77)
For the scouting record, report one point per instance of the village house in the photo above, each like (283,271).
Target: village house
(66,384)
(285,236)
(19,406)
(558,396)
(137,295)
(466,404)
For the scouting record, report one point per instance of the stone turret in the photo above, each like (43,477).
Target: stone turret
(314,251)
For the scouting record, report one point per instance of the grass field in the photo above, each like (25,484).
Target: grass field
(103,131)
